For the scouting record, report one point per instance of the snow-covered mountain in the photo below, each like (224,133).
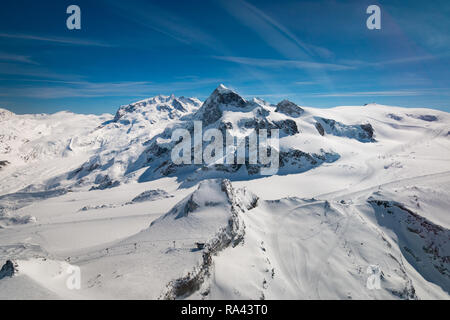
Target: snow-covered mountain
(156,109)
(361,192)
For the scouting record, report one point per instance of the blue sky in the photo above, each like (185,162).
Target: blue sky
(315,53)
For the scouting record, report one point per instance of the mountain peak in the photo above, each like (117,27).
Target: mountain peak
(166,106)
(226,96)
(221,98)
(5,114)
(289,108)
(222,87)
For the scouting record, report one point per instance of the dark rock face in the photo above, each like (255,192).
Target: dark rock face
(230,168)
(289,108)
(262,112)
(304,161)
(190,207)
(177,105)
(428,117)
(362,132)
(123,111)
(287,126)
(424,117)
(395,117)
(155,151)
(257,124)
(320,128)
(252,169)
(424,243)
(8,269)
(151,195)
(230,98)
(104,182)
(3,163)
(211,111)
(224,126)
(368,129)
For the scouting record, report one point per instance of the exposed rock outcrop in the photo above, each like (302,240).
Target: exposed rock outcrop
(3,163)
(289,108)
(8,269)
(424,243)
(221,98)
(230,235)
(360,132)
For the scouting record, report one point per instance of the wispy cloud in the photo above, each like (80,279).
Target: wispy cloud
(384,93)
(413,59)
(168,23)
(80,90)
(297,53)
(426,22)
(274,33)
(397,61)
(55,89)
(270,95)
(280,63)
(77,90)
(305,83)
(34,71)
(16,58)
(59,40)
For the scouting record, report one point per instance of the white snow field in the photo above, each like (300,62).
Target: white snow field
(361,194)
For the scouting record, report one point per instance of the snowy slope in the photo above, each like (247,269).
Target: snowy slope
(360,190)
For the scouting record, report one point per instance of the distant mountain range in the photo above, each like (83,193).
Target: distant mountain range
(361,194)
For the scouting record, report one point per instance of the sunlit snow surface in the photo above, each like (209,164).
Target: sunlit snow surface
(78,190)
